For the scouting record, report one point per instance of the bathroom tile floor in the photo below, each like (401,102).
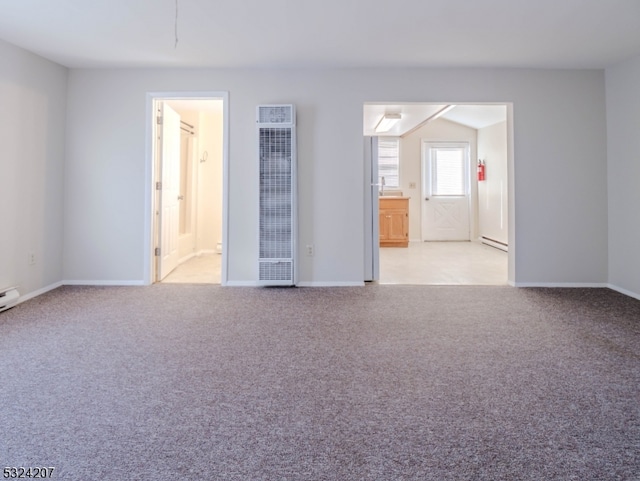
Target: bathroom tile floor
(201,269)
(428,263)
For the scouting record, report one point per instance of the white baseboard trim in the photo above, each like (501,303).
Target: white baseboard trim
(626,292)
(601,285)
(299,284)
(39,292)
(561,284)
(241,284)
(186,258)
(103,283)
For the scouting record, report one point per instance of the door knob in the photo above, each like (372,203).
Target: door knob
(181,197)
(426,198)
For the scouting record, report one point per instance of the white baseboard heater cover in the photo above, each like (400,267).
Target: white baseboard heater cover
(8,298)
(494,243)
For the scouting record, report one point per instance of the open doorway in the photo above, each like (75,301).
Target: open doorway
(188,188)
(458,227)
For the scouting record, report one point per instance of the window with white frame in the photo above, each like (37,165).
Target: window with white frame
(448,171)
(389,162)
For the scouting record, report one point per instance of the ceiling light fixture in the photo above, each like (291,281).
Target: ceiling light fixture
(387,121)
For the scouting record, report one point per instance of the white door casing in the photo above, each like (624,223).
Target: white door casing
(169,191)
(445,191)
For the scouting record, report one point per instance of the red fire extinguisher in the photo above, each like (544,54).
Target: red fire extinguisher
(481,171)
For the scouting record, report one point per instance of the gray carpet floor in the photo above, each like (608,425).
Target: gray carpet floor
(197,382)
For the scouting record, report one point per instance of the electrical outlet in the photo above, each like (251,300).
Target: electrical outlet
(32,258)
(310,250)
(412,185)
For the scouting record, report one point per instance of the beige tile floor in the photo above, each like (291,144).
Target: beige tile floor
(431,263)
(202,269)
(443,263)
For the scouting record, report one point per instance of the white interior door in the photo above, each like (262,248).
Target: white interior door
(170,190)
(445,204)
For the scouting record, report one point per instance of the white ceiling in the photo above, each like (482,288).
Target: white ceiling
(331,34)
(477,116)
(328,33)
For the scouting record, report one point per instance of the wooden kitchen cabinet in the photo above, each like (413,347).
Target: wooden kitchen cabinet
(394,221)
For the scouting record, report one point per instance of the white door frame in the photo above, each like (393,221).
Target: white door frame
(150,227)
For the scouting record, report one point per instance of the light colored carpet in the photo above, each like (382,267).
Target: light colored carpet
(193,382)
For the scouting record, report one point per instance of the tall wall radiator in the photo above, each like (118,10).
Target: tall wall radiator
(278,195)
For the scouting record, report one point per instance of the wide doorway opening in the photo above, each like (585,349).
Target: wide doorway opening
(444,168)
(188,188)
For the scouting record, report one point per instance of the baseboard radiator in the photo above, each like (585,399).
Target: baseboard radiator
(8,298)
(494,243)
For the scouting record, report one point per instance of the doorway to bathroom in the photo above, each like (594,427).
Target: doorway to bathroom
(189,188)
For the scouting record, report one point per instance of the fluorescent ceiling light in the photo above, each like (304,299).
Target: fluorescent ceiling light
(387,121)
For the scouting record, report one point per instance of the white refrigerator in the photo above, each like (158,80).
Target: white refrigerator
(371,208)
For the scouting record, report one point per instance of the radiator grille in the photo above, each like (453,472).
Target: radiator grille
(275,193)
(276,271)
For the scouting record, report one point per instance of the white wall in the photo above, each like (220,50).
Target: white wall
(210,181)
(411,166)
(33,94)
(560,149)
(493,204)
(623,149)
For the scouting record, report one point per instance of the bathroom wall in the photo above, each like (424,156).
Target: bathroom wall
(210,181)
